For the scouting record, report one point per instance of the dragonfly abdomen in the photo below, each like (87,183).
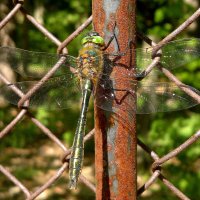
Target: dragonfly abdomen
(76,160)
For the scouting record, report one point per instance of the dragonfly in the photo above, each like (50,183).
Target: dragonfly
(92,71)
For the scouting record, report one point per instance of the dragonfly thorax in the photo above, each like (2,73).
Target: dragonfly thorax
(90,61)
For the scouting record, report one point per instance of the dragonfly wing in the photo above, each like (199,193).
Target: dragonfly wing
(110,96)
(34,64)
(180,52)
(163,97)
(150,98)
(104,95)
(174,54)
(143,59)
(56,93)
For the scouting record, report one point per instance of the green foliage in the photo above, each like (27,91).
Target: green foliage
(68,136)
(52,14)
(26,173)
(158,18)
(165,137)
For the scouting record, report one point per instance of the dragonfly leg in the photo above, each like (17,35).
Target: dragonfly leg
(119,53)
(108,44)
(130,44)
(127,92)
(111,39)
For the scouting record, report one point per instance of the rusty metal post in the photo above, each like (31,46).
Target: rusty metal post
(115,144)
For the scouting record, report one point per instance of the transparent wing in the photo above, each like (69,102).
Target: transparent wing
(150,98)
(57,93)
(34,64)
(163,97)
(174,54)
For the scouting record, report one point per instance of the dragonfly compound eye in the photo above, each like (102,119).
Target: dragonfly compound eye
(93,37)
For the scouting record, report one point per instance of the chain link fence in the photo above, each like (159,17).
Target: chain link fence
(158,161)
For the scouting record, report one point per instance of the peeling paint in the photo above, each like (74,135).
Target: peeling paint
(115,186)
(110,8)
(111,155)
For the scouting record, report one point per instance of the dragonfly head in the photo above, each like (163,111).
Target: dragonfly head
(93,37)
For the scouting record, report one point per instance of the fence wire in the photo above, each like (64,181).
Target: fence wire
(158,162)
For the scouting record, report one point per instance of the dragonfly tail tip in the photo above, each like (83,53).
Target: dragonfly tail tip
(72,184)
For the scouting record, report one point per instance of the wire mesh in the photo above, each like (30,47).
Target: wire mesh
(158,162)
